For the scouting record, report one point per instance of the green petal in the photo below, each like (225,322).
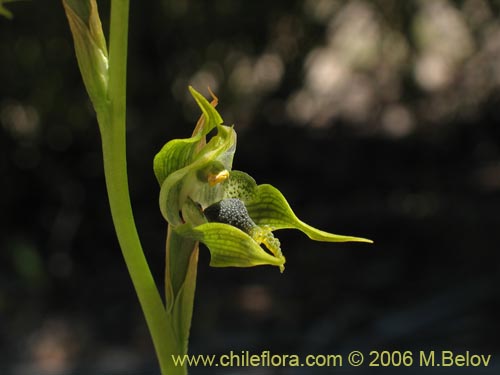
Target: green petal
(229,246)
(271,208)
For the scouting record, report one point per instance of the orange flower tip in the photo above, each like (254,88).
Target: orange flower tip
(215,99)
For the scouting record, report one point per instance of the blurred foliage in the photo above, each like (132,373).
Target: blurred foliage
(396,100)
(4,11)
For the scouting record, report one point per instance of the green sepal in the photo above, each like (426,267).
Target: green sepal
(269,207)
(212,117)
(229,246)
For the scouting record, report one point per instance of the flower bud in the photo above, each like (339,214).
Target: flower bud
(90,47)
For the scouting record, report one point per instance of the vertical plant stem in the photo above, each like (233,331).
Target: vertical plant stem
(112,124)
(145,287)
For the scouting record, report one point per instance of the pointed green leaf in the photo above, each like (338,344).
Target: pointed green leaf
(212,117)
(229,246)
(271,208)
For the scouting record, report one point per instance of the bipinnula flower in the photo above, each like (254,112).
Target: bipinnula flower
(204,199)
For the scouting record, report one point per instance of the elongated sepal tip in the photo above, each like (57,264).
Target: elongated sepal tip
(359,239)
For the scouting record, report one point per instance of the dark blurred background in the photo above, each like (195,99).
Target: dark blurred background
(375,118)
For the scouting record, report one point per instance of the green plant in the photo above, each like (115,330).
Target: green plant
(201,197)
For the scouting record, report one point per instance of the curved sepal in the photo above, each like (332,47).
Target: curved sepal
(212,117)
(269,207)
(229,246)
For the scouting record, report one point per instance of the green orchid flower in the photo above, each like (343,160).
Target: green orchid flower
(204,200)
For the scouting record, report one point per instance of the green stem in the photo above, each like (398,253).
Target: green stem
(144,284)
(112,124)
